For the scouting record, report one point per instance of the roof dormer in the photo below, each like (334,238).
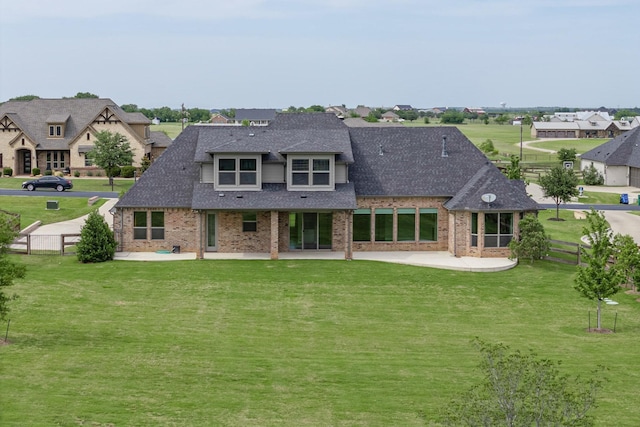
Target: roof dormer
(56,124)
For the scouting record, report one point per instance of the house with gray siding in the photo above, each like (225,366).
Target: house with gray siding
(308,182)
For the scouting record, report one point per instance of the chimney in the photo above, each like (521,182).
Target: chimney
(444,146)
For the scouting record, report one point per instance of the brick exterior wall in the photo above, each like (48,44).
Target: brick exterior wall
(187,229)
(442,244)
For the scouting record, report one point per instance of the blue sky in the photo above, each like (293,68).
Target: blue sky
(278,53)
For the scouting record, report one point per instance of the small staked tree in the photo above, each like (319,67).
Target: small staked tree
(9,270)
(111,150)
(520,389)
(561,185)
(97,243)
(532,242)
(514,171)
(597,279)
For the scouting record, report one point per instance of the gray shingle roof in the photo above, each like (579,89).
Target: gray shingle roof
(319,121)
(159,139)
(510,195)
(274,196)
(77,113)
(388,162)
(273,142)
(258,114)
(623,150)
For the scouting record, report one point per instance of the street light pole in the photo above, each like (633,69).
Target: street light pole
(520,139)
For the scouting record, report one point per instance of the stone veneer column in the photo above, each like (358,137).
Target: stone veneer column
(274,235)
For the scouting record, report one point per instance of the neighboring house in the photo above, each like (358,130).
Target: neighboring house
(56,134)
(580,129)
(339,110)
(307,182)
(402,107)
(618,160)
(362,111)
(158,143)
(253,116)
(389,116)
(219,119)
(474,110)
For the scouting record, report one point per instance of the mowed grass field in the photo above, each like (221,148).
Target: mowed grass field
(289,343)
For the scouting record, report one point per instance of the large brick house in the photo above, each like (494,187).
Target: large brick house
(307,182)
(56,134)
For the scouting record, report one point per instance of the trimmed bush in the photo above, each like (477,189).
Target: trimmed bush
(127,171)
(35,171)
(7,171)
(48,172)
(115,171)
(76,173)
(97,243)
(89,173)
(591,176)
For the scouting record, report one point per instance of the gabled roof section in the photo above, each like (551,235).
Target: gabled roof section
(159,139)
(510,195)
(399,161)
(321,121)
(623,150)
(274,143)
(169,182)
(34,116)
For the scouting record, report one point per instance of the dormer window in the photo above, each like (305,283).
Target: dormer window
(55,131)
(311,172)
(237,172)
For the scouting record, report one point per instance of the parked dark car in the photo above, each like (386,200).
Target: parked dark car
(56,182)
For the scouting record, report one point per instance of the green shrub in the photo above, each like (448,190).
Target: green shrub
(97,243)
(35,171)
(591,176)
(487,147)
(48,172)
(7,171)
(114,171)
(76,173)
(89,173)
(127,171)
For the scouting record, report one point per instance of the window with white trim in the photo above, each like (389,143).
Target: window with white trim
(249,221)
(310,172)
(237,172)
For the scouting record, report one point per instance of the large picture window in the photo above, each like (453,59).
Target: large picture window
(362,225)
(384,225)
(406,225)
(428,224)
(238,172)
(310,172)
(498,229)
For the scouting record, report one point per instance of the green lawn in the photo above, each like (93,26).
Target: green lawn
(581,145)
(172,129)
(33,208)
(288,343)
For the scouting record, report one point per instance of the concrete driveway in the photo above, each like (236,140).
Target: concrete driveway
(621,221)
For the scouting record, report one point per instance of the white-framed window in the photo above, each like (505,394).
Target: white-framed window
(237,172)
(249,221)
(306,172)
(55,160)
(55,131)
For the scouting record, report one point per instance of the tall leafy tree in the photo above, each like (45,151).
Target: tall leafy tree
(627,256)
(597,279)
(520,389)
(532,242)
(86,95)
(567,155)
(111,150)
(561,185)
(97,243)
(9,270)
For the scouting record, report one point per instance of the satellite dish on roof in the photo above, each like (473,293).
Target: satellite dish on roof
(488,197)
